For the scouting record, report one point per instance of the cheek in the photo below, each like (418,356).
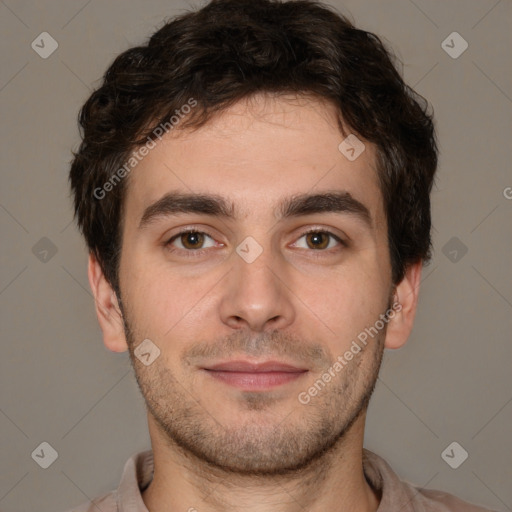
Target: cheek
(348,302)
(164,303)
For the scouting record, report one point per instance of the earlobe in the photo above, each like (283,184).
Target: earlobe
(108,311)
(404,307)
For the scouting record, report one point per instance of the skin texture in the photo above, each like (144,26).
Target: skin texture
(217,447)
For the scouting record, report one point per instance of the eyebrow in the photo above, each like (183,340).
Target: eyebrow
(175,203)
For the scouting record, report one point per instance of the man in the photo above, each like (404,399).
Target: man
(253,186)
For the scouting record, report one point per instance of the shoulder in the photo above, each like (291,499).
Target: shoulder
(440,501)
(137,473)
(105,503)
(397,494)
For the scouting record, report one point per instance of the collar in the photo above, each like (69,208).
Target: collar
(395,494)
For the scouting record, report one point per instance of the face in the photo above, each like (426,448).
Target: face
(265,274)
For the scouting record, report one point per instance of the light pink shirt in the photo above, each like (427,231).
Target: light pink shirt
(396,495)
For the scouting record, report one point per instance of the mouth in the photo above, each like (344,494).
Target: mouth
(249,376)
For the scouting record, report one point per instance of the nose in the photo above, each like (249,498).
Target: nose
(256,295)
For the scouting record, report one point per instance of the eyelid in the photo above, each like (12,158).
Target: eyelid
(341,240)
(329,231)
(189,229)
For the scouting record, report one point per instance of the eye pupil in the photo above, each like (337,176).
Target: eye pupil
(317,240)
(193,238)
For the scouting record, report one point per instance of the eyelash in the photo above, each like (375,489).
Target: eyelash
(194,253)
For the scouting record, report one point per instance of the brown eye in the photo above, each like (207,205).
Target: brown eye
(317,240)
(192,240)
(320,241)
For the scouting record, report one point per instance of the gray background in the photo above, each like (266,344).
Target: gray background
(59,384)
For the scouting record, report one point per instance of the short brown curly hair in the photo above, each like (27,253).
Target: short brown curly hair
(229,50)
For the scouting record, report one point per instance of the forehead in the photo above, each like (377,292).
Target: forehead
(254,154)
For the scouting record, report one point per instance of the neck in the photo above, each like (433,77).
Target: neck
(334,481)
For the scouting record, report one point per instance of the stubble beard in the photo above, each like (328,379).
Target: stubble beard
(268,443)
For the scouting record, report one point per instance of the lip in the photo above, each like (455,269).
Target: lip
(248,367)
(248,376)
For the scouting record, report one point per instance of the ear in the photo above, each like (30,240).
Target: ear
(404,306)
(108,311)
